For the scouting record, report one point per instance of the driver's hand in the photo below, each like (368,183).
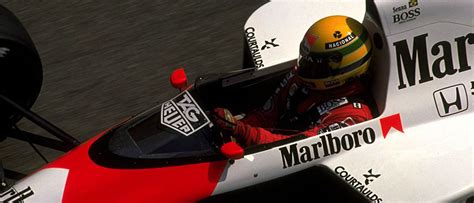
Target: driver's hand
(224,120)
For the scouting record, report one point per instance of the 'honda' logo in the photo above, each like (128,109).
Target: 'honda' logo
(451,100)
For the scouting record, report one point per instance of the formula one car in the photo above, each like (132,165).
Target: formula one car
(418,148)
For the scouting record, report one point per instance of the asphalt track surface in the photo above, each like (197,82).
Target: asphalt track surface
(106,60)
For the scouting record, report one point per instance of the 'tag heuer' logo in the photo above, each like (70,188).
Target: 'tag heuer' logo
(183,114)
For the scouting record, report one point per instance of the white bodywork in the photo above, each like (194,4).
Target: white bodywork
(420,149)
(47,184)
(427,155)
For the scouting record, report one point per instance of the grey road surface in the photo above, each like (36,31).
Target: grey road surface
(106,60)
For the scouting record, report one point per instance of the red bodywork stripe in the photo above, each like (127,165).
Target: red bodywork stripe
(89,182)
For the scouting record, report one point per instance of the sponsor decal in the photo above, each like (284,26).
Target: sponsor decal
(307,58)
(359,186)
(253,46)
(269,103)
(13,195)
(406,13)
(183,114)
(332,83)
(331,45)
(389,122)
(331,104)
(284,82)
(412,3)
(267,44)
(293,89)
(3,51)
(370,177)
(327,145)
(409,62)
(335,126)
(451,100)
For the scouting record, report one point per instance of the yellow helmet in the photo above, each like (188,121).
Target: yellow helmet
(334,50)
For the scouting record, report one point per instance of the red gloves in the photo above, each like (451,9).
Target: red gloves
(224,120)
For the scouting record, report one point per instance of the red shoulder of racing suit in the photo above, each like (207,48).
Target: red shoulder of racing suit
(255,127)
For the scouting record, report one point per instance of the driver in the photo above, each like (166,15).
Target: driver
(326,90)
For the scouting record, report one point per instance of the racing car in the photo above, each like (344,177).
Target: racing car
(418,148)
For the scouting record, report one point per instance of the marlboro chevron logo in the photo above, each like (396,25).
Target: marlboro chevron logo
(183,114)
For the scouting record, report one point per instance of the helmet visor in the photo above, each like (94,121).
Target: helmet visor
(319,66)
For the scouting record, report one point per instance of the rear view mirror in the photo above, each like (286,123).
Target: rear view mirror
(232,150)
(178,79)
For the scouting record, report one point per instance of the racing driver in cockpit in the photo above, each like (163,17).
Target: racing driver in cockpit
(326,90)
